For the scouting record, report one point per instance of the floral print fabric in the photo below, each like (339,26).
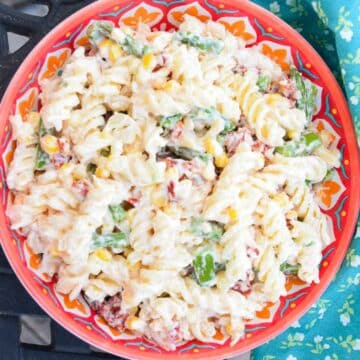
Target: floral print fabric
(330,329)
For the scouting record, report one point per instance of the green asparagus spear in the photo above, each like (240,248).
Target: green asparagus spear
(204,268)
(287,268)
(114,240)
(98,31)
(263,82)
(200,42)
(168,122)
(118,213)
(180,152)
(133,47)
(308,94)
(306,145)
(42,158)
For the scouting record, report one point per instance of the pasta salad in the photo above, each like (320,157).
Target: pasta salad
(170,178)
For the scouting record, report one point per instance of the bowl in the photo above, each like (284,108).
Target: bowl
(339,196)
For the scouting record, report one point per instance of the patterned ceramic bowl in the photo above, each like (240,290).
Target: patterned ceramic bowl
(338,195)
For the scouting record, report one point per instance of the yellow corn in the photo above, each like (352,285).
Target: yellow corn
(273,98)
(103,254)
(148,61)
(233,214)
(221,161)
(64,167)
(49,144)
(102,172)
(265,132)
(115,52)
(228,328)
(209,146)
(170,84)
(159,201)
(55,252)
(292,134)
(106,43)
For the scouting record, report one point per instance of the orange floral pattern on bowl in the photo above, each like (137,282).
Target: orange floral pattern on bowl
(238,28)
(265,312)
(83,41)
(140,16)
(327,190)
(277,55)
(292,281)
(54,65)
(28,104)
(113,331)
(73,304)
(34,259)
(191,10)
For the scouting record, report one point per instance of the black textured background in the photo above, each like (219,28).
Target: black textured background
(22,321)
(12,19)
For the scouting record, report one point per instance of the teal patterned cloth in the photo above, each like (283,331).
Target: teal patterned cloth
(331,329)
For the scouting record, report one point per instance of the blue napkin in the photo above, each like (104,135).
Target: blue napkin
(331,329)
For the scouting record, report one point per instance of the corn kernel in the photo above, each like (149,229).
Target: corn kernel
(65,166)
(209,146)
(171,84)
(102,172)
(115,52)
(106,43)
(292,134)
(221,161)
(148,61)
(159,201)
(169,209)
(273,98)
(233,214)
(49,144)
(55,252)
(265,132)
(228,328)
(103,254)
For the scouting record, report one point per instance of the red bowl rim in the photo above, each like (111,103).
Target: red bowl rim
(298,42)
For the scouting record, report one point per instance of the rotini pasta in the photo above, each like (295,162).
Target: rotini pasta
(168,178)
